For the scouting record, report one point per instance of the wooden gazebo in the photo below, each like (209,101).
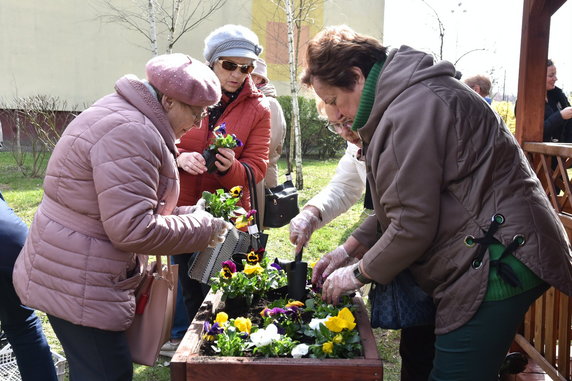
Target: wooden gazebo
(547,330)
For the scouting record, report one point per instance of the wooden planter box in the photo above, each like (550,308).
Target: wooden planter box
(188,365)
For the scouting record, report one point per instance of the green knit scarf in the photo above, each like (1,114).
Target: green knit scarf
(367,96)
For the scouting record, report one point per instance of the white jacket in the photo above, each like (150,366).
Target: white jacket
(345,188)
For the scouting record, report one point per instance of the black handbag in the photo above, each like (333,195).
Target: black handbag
(280,204)
(401,304)
(208,262)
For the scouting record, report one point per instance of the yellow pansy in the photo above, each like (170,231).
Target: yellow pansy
(236,191)
(344,320)
(295,303)
(328,347)
(312,264)
(243,324)
(241,222)
(338,339)
(221,318)
(252,269)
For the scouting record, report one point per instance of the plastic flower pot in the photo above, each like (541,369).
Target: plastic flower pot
(210,159)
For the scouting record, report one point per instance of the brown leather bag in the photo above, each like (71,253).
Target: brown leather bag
(156,297)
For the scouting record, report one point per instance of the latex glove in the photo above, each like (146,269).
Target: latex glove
(224,159)
(192,162)
(220,228)
(340,282)
(199,206)
(328,263)
(302,226)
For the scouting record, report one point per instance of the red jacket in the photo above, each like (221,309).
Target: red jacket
(248,117)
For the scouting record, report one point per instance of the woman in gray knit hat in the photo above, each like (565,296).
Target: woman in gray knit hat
(230,51)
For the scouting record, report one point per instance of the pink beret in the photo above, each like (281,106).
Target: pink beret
(184,78)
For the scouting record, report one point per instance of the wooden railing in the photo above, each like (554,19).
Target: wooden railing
(547,334)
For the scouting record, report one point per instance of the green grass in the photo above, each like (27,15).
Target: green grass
(24,194)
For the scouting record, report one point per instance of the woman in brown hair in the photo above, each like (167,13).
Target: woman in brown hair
(455,200)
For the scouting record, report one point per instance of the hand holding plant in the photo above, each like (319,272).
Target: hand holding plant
(221,140)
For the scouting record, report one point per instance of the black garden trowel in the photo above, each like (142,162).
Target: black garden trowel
(297,273)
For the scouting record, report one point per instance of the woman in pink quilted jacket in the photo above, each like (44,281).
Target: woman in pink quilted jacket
(110,192)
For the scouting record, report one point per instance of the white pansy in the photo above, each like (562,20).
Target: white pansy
(300,350)
(266,336)
(315,323)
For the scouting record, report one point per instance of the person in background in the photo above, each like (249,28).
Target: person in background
(230,52)
(277,132)
(481,85)
(110,193)
(455,199)
(342,192)
(22,327)
(557,110)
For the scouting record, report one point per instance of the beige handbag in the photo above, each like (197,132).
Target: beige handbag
(156,297)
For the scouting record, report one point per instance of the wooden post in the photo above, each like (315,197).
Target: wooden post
(532,75)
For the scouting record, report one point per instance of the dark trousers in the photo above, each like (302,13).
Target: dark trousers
(94,354)
(24,333)
(194,292)
(476,350)
(417,349)
(180,319)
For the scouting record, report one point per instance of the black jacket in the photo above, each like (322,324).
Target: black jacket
(556,128)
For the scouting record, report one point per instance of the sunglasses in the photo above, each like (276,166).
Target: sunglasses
(231,66)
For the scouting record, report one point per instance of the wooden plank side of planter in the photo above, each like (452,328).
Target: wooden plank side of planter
(257,369)
(187,365)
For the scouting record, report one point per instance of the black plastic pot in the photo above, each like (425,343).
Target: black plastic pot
(210,159)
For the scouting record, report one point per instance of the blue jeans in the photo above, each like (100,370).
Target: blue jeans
(180,320)
(24,333)
(94,354)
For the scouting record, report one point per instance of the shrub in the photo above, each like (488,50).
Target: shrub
(316,139)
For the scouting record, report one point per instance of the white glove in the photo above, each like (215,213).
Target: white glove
(340,282)
(220,228)
(329,262)
(302,226)
(199,206)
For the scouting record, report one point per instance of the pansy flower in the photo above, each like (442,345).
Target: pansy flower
(344,320)
(252,269)
(252,257)
(243,324)
(265,336)
(228,269)
(295,303)
(230,265)
(236,191)
(237,141)
(221,318)
(211,330)
(300,350)
(328,347)
(220,129)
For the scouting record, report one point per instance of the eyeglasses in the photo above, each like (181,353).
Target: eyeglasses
(337,127)
(199,117)
(232,66)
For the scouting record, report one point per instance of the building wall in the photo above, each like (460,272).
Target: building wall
(63,48)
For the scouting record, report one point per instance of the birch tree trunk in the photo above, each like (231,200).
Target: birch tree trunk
(152,27)
(294,94)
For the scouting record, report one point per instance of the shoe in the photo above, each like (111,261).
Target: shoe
(169,348)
